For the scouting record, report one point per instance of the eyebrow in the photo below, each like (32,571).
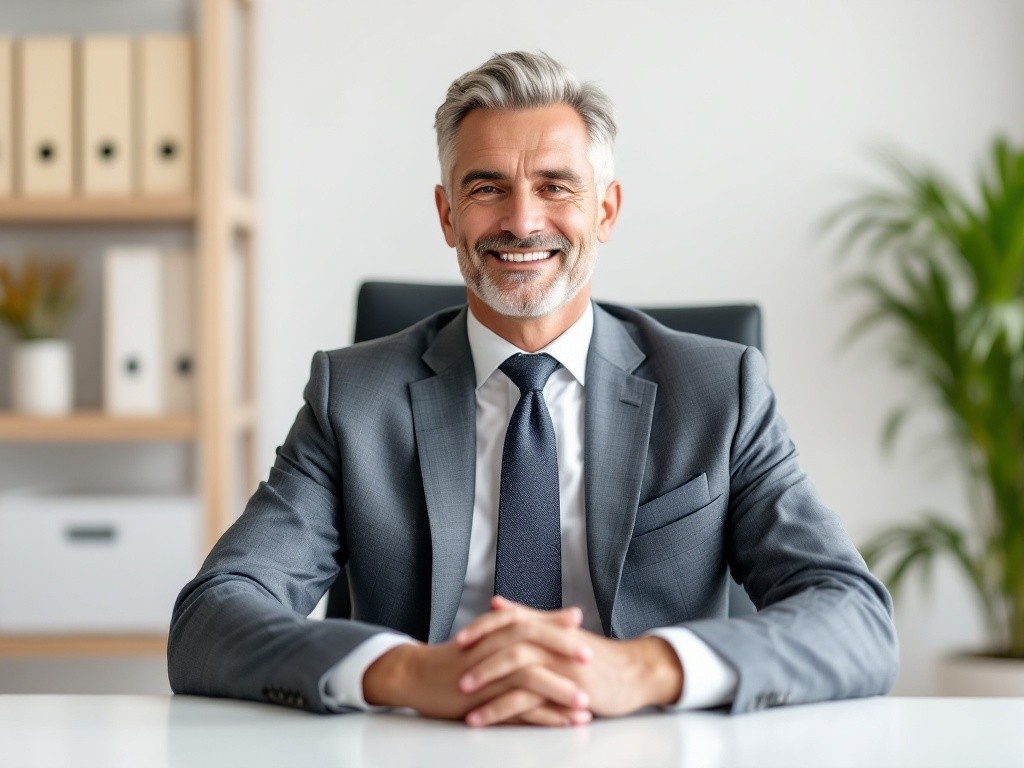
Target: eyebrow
(562,174)
(472,176)
(555,174)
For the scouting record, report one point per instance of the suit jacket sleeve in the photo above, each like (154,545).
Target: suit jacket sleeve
(239,629)
(824,629)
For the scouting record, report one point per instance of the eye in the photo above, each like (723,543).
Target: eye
(486,189)
(555,189)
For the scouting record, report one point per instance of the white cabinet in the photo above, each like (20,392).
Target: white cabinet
(94,563)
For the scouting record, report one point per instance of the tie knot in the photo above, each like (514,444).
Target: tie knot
(529,372)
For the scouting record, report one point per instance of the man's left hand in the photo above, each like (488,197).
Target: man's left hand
(622,676)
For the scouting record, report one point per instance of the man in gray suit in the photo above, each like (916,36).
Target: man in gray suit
(609,497)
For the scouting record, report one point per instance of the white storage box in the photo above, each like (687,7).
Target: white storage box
(94,564)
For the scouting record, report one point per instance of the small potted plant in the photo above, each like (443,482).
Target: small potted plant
(942,273)
(35,305)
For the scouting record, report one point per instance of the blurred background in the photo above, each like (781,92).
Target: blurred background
(741,124)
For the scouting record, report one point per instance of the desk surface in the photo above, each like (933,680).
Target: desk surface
(157,731)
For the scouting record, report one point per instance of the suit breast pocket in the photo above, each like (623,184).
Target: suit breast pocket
(675,572)
(672,506)
(692,528)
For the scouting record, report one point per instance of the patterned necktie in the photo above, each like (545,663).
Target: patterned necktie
(528,564)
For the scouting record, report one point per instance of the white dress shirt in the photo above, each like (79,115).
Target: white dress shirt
(708,680)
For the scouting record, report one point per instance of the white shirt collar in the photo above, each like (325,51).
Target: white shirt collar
(570,349)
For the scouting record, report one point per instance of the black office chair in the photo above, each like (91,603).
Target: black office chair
(383,308)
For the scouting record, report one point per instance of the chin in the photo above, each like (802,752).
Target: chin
(520,295)
(524,300)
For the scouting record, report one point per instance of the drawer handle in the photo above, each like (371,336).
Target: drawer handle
(87,534)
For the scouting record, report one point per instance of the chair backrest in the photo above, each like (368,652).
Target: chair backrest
(383,308)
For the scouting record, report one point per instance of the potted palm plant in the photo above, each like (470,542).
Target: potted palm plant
(942,274)
(35,306)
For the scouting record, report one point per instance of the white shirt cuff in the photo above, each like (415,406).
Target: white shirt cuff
(708,681)
(343,688)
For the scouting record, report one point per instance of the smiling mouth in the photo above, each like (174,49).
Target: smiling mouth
(517,256)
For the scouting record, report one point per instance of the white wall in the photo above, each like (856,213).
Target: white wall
(739,123)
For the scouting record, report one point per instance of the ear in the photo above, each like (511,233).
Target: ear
(444,214)
(608,211)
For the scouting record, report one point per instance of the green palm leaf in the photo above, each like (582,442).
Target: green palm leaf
(943,279)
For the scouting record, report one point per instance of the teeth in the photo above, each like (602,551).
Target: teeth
(535,256)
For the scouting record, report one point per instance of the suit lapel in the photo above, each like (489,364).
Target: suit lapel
(617,426)
(444,414)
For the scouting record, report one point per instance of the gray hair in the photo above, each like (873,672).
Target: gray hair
(520,80)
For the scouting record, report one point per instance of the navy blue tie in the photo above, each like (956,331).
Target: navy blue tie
(528,564)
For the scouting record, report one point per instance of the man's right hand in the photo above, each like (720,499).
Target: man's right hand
(426,677)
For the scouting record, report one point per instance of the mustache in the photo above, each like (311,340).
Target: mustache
(508,242)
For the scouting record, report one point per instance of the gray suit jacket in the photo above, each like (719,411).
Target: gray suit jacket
(689,474)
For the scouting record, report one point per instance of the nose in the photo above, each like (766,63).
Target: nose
(523,213)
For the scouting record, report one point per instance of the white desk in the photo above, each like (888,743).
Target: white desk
(158,731)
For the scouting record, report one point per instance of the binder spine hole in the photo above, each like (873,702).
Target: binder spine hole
(168,150)
(107,151)
(133,365)
(47,152)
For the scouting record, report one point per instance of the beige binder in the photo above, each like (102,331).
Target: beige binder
(45,162)
(105,103)
(6,117)
(179,366)
(167,146)
(133,317)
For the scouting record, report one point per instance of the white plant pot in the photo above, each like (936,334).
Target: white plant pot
(971,675)
(41,377)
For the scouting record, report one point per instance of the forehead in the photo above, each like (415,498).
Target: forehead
(554,133)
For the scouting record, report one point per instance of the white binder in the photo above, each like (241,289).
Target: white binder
(6,117)
(105,77)
(45,156)
(166,146)
(179,364)
(133,353)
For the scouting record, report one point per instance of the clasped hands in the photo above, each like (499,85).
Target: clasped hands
(519,665)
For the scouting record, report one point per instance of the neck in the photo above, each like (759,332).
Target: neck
(531,333)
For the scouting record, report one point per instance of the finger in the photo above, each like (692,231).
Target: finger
(570,616)
(542,716)
(512,659)
(560,641)
(554,687)
(503,708)
(511,613)
(553,716)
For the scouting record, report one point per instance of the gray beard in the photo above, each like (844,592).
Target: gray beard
(512,303)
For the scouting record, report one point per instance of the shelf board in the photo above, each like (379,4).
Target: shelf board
(94,426)
(72,210)
(82,645)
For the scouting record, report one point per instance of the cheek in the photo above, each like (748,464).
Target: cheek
(579,225)
(473,223)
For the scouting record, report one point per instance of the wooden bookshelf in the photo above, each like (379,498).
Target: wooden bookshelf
(81,210)
(221,217)
(25,646)
(94,427)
